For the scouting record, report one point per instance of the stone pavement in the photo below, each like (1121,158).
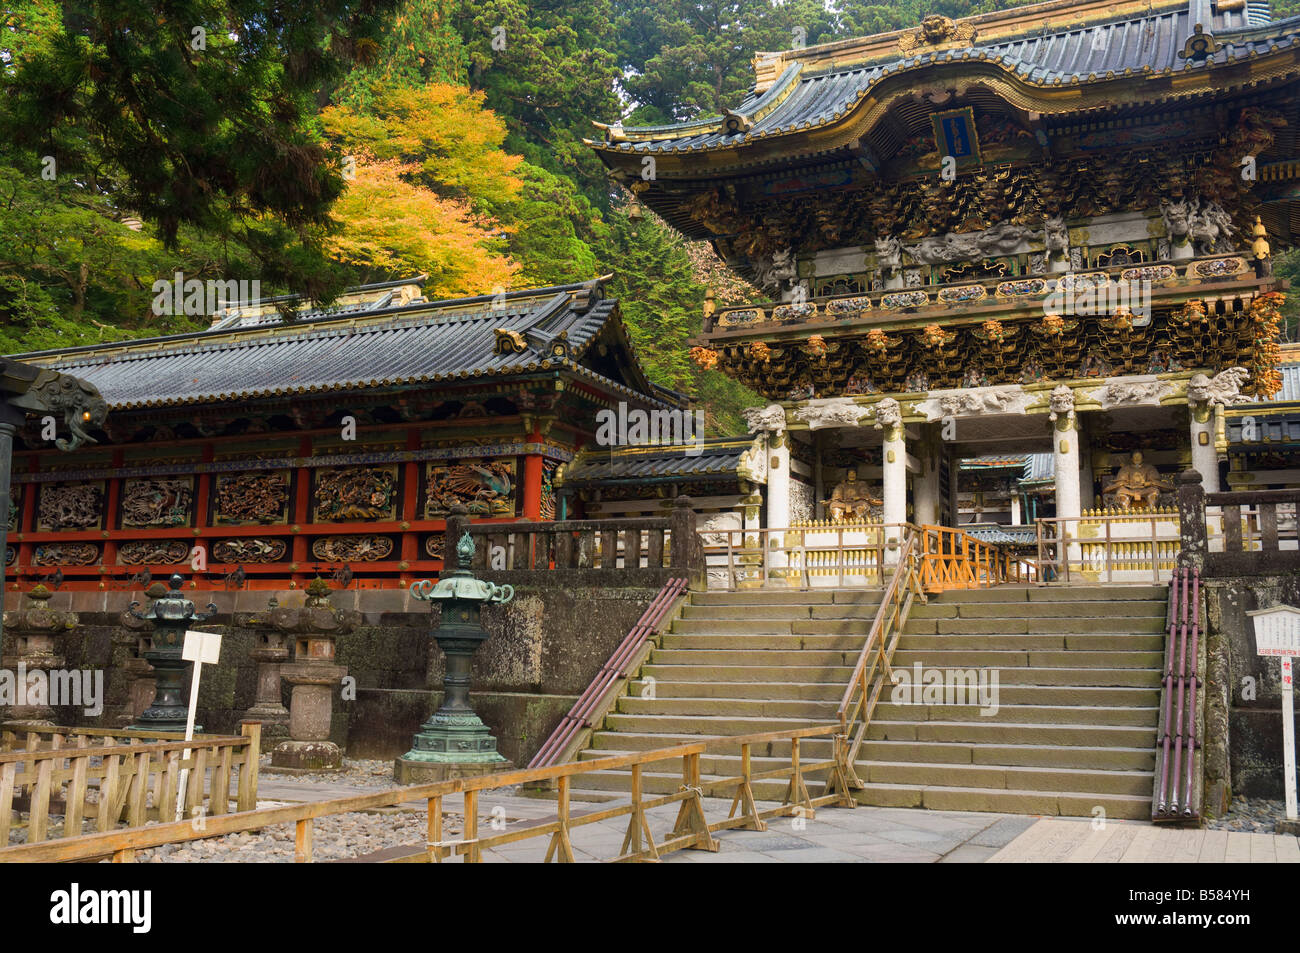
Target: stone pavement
(1074,841)
(861,835)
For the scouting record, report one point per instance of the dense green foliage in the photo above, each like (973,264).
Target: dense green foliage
(311,146)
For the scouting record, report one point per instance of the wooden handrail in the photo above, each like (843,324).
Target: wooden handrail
(863,691)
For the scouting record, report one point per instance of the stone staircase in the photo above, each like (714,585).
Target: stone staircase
(1078,676)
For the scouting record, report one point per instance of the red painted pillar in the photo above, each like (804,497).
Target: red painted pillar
(532,481)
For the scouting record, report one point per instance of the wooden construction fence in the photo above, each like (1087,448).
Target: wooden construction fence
(691,829)
(108,777)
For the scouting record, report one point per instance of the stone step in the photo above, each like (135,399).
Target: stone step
(1031,624)
(984,731)
(1056,756)
(820,711)
(1007,658)
(805,658)
(707,724)
(1041,594)
(1094,757)
(670,687)
(861,611)
(1049,803)
(1020,714)
(1092,641)
(739,672)
(1010,694)
(764,641)
(1017,778)
(1079,696)
(1125,609)
(786,597)
(770,626)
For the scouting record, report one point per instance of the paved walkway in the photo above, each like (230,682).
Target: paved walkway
(861,835)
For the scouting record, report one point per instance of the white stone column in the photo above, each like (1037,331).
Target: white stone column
(1065,457)
(778,495)
(894,465)
(1205,460)
(1015,507)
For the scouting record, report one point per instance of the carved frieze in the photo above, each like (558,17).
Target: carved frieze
(352,549)
(15,506)
(975,402)
(70,506)
(152,552)
(249,549)
(770,419)
(252,498)
(433,545)
(355,493)
(485,487)
(1131,392)
(66,554)
(837,412)
(154,503)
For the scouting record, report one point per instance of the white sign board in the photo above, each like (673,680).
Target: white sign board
(204,648)
(201,648)
(1277,633)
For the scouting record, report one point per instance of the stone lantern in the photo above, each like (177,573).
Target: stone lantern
(31,633)
(314,677)
(172,615)
(454,742)
(270,651)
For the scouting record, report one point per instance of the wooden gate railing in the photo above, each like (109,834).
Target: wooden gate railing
(691,829)
(109,777)
(954,559)
(873,673)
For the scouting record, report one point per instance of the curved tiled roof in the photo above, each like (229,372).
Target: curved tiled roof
(422,342)
(808,95)
(717,457)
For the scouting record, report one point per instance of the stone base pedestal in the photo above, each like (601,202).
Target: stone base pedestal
(1288,827)
(307,756)
(428,772)
(275,723)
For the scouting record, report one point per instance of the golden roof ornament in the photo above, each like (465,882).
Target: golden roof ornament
(509,342)
(937,30)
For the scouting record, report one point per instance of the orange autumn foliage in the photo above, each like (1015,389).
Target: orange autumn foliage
(391,226)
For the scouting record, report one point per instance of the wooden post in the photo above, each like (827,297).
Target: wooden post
(471,827)
(434,825)
(302,841)
(248,772)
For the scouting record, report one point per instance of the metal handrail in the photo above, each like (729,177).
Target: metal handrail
(580,716)
(1176,794)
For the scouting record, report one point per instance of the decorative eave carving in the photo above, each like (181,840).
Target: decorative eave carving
(835,412)
(937,32)
(1131,392)
(976,402)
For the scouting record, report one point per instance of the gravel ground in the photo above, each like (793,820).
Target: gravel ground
(1251,814)
(370,774)
(334,838)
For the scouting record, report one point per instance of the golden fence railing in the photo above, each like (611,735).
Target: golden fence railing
(1134,547)
(691,827)
(831,555)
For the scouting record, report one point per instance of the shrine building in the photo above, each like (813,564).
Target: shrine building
(1041,235)
(330,441)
